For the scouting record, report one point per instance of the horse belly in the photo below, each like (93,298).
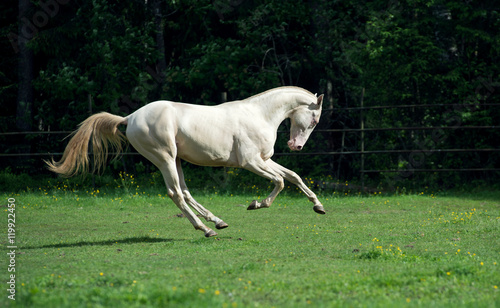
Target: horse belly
(205,156)
(205,145)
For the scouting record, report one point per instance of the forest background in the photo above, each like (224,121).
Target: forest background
(435,64)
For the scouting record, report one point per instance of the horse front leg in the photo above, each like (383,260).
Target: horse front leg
(259,167)
(295,179)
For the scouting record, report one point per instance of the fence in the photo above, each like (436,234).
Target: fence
(358,151)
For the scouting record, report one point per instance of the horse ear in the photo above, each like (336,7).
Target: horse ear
(320,100)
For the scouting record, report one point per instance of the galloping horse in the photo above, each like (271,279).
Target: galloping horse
(234,134)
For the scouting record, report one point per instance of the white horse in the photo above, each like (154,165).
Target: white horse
(234,134)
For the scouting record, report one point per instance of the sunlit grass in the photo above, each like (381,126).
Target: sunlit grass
(123,244)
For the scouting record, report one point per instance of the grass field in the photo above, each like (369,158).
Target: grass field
(80,248)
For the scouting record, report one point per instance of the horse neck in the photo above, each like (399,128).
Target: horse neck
(278,104)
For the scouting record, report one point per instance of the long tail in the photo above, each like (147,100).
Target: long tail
(103,129)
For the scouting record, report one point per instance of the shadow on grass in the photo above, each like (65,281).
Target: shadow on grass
(130,240)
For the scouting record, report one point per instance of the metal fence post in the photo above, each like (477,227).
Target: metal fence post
(362,120)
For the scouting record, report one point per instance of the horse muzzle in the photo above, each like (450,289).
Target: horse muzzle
(292,144)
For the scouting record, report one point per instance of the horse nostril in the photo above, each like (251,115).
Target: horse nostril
(299,147)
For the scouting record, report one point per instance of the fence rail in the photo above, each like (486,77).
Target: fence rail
(340,130)
(296,153)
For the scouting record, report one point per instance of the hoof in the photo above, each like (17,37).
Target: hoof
(210,233)
(221,225)
(319,209)
(253,205)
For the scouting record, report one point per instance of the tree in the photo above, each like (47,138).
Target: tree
(107,54)
(121,55)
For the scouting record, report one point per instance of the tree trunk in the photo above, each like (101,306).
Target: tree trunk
(25,66)
(160,42)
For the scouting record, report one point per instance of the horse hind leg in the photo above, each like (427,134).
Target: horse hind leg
(152,136)
(219,223)
(195,221)
(166,163)
(175,193)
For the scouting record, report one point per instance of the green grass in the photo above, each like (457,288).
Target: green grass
(127,247)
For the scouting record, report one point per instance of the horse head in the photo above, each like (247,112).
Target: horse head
(303,120)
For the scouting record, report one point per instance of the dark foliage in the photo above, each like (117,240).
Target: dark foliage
(441,57)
